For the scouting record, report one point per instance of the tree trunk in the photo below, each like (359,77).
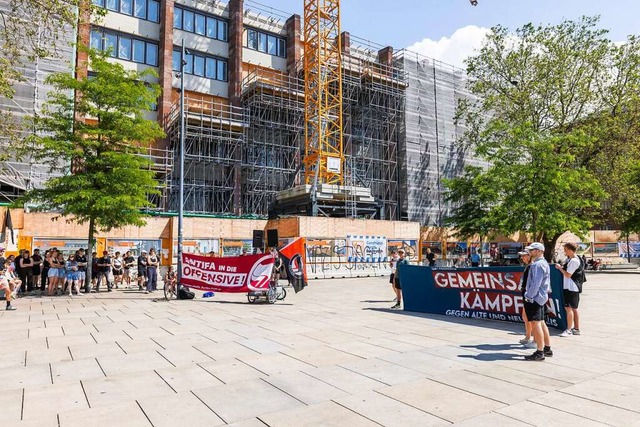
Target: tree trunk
(550,246)
(87,280)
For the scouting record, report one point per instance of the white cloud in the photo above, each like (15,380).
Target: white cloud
(455,49)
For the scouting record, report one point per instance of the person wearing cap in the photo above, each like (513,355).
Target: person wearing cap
(143,262)
(527,341)
(536,297)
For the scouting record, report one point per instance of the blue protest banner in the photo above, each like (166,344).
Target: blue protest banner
(483,293)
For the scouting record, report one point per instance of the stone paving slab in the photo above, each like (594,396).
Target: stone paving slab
(333,355)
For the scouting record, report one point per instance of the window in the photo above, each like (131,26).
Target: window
(187,21)
(124,48)
(198,65)
(152,54)
(222,31)
(141,9)
(222,71)
(138,51)
(188,66)
(252,39)
(153,11)
(126,7)
(267,43)
(272,46)
(211,68)
(175,61)
(200,23)
(112,5)
(262,42)
(96,39)
(177,18)
(212,28)
(111,43)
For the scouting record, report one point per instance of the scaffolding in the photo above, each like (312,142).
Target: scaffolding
(429,149)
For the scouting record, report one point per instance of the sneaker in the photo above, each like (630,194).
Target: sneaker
(566,333)
(397,305)
(537,356)
(394,300)
(10,308)
(525,341)
(547,352)
(530,344)
(575,331)
(146,292)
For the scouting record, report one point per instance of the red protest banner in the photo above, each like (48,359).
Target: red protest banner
(231,274)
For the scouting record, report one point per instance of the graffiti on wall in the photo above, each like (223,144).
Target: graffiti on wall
(354,256)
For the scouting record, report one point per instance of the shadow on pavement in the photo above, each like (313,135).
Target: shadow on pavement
(492,357)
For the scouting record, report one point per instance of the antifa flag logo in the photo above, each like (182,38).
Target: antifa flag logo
(293,258)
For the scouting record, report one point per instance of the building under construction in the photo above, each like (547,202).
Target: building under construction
(245,111)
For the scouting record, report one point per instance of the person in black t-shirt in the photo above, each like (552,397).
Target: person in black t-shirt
(81,259)
(527,341)
(129,263)
(143,262)
(25,264)
(37,268)
(104,266)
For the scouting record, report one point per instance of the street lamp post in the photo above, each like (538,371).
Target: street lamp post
(181,171)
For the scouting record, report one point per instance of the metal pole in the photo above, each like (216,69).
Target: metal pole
(181,170)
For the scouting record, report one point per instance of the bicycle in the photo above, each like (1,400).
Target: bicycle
(170,290)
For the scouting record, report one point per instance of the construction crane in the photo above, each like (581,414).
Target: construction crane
(324,155)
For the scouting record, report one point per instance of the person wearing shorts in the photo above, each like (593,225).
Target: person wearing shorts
(535,298)
(129,263)
(118,269)
(392,281)
(398,288)
(571,291)
(6,287)
(82,268)
(142,269)
(52,274)
(72,275)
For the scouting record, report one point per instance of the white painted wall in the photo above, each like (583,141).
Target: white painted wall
(201,43)
(129,24)
(203,85)
(264,59)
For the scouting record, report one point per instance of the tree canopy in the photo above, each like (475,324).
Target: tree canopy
(553,113)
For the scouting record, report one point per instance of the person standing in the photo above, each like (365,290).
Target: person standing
(431,257)
(118,269)
(104,266)
(36,270)
(573,277)
(398,288)
(142,269)
(2,258)
(393,263)
(26,272)
(82,268)
(71,267)
(536,297)
(129,262)
(46,264)
(527,341)
(475,259)
(152,271)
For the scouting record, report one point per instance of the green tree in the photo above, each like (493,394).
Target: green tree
(546,99)
(96,140)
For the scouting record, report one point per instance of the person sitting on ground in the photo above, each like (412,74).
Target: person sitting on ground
(7,287)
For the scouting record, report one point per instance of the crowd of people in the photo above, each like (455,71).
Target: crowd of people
(51,273)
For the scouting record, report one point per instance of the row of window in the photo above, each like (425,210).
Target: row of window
(143,9)
(197,23)
(267,43)
(201,65)
(125,47)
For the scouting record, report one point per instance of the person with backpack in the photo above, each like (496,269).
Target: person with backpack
(573,272)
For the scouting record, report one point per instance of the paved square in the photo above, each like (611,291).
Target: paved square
(331,355)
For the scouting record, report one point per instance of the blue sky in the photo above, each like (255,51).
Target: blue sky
(403,23)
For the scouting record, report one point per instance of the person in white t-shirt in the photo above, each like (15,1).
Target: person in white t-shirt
(573,271)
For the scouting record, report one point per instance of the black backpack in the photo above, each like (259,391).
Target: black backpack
(578,276)
(186,294)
